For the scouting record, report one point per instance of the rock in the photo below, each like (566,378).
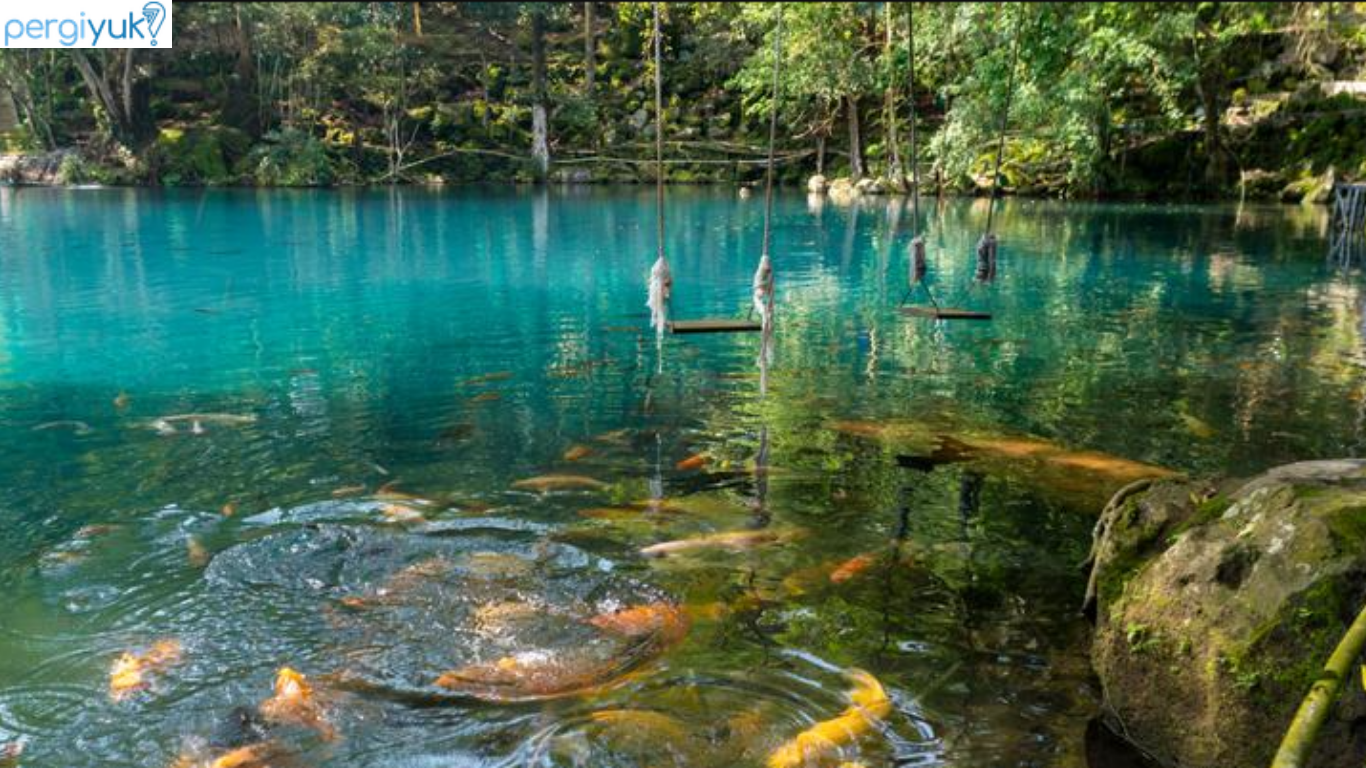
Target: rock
(817,184)
(41,168)
(1217,606)
(745,193)
(573,176)
(843,191)
(639,118)
(869,186)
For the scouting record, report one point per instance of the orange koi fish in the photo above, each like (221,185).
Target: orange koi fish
(131,671)
(295,703)
(852,567)
(662,619)
(265,754)
(869,705)
(696,461)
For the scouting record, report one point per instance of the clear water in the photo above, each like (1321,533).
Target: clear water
(445,345)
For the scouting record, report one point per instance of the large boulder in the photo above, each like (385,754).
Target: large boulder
(842,191)
(817,184)
(1216,607)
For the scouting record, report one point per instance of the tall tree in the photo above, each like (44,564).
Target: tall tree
(540,146)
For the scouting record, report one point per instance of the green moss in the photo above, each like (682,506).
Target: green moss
(1310,628)
(1348,525)
(1206,512)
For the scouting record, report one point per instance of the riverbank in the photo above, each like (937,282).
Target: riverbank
(69,167)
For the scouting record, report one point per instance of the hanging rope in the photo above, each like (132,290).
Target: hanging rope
(919,266)
(986,247)
(661,278)
(763,275)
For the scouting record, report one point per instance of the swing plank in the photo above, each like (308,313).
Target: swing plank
(945,313)
(715,325)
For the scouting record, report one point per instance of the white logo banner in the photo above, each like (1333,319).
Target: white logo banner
(85,24)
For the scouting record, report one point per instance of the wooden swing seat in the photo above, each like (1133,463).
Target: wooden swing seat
(715,325)
(945,313)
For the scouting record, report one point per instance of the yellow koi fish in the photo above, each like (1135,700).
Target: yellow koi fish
(295,703)
(577,452)
(548,483)
(869,706)
(131,671)
(732,540)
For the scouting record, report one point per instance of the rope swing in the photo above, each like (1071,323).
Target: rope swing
(919,266)
(986,247)
(763,275)
(661,278)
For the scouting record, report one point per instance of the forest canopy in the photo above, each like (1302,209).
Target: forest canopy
(1104,99)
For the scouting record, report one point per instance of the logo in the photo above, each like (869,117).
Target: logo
(156,16)
(86,23)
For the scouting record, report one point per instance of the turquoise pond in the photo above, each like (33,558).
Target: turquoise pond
(369,379)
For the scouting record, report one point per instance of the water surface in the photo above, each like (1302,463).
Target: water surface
(399,359)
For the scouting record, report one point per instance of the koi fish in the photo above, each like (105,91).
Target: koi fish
(397,513)
(486,397)
(662,728)
(696,461)
(225,419)
(196,553)
(548,483)
(869,705)
(264,754)
(295,703)
(229,509)
(661,619)
(10,753)
(77,427)
(852,567)
(486,378)
(578,452)
(732,540)
(97,529)
(121,400)
(531,675)
(131,671)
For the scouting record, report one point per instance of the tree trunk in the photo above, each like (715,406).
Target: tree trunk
(417,19)
(540,148)
(124,122)
(590,50)
(855,144)
(1207,88)
(820,154)
(243,109)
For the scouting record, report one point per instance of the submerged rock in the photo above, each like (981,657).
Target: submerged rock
(1217,606)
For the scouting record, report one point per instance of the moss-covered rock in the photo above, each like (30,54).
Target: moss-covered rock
(1216,608)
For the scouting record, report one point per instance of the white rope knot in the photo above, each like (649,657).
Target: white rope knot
(763,304)
(661,289)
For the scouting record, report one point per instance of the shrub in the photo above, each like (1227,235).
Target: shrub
(290,158)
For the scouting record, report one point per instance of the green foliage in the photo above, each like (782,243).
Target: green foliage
(197,156)
(1106,96)
(290,158)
